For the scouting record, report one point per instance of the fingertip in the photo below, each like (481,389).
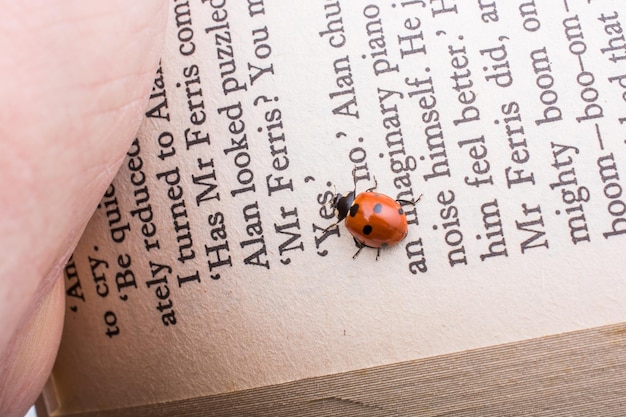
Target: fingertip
(80,78)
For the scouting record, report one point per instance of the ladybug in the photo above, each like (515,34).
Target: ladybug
(375,220)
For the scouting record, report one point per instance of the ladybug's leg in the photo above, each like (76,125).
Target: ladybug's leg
(360,246)
(354,180)
(331,226)
(374,187)
(410,202)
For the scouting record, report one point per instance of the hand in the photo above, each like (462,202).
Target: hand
(74,77)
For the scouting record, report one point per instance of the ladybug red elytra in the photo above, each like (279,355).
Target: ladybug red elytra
(374,220)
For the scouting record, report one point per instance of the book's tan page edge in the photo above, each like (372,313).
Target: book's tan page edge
(579,373)
(210,267)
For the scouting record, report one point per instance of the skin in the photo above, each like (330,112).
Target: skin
(75,78)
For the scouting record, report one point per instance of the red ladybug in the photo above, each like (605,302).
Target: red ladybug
(375,220)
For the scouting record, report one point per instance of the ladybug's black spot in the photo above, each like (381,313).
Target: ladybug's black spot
(354,210)
(378,208)
(367,229)
(400,211)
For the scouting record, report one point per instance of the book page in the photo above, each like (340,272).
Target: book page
(212,264)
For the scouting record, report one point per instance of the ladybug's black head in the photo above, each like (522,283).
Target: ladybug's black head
(342,204)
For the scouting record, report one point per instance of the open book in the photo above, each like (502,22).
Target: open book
(211,278)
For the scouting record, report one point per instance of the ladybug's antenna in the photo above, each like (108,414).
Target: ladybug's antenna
(332,202)
(354,180)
